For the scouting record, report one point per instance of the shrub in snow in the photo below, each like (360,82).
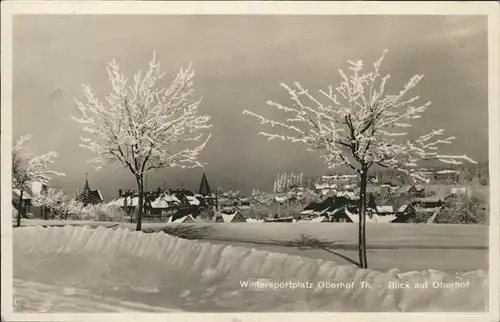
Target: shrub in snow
(464,209)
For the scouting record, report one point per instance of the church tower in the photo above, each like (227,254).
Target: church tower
(204,186)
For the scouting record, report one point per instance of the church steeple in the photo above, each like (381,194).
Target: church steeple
(87,187)
(204,186)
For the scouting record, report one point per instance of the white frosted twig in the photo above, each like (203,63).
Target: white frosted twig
(358,124)
(142,125)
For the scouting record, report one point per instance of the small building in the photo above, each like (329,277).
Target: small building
(333,207)
(428,202)
(235,217)
(459,191)
(188,219)
(412,191)
(256,221)
(157,204)
(428,206)
(26,204)
(385,210)
(279,220)
(448,176)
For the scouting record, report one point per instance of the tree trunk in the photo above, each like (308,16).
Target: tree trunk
(140,206)
(20,209)
(289,209)
(362,220)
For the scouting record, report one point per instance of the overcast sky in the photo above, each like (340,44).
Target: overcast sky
(239,61)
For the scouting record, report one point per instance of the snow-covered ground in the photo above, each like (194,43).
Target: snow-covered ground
(407,247)
(56,269)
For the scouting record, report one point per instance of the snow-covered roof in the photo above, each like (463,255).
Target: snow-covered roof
(227,218)
(354,217)
(171,198)
(385,209)
(447,172)
(319,219)
(430,210)
(193,201)
(281,199)
(159,203)
(321,212)
(402,208)
(456,190)
(116,202)
(340,176)
(100,194)
(134,202)
(252,220)
(36,189)
(188,218)
(321,186)
(331,213)
(349,194)
(383,219)
(164,201)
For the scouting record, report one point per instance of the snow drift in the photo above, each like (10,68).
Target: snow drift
(161,271)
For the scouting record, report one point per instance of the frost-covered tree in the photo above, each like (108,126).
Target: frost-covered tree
(63,207)
(359,125)
(144,126)
(28,169)
(50,200)
(286,181)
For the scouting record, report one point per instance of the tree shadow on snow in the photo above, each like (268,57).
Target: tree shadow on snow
(306,243)
(195,231)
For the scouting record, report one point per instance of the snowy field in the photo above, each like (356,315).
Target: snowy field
(102,270)
(407,247)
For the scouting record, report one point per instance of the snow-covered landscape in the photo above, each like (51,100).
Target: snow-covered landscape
(84,269)
(181,169)
(402,246)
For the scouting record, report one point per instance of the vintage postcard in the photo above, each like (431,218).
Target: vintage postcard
(250,161)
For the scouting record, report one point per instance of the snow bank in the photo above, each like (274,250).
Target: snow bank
(159,270)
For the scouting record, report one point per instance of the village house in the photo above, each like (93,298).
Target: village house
(164,205)
(28,210)
(447,176)
(427,206)
(235,217)
(413,191)
(334,208)
(336,183)
(459,191)
(188,219)
(277,219)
